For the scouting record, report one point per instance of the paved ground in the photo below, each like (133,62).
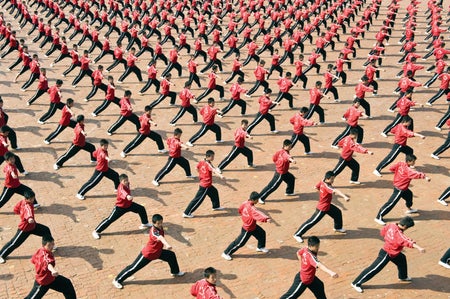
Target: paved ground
(92,264)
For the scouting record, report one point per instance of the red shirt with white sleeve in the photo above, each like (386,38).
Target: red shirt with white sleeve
(395,240)
(26,212)
(208,114)
(204,169)
(121,199)
(325,197)
(41,259)
(401,134)
(284,84)
(239,137)
(249,215)
(125,107)
(144,120)
(349,146)
(308,265)
(102,163)
(202,289)
(299,123)
(403,174)
(352,115)
(154,247)
(11,182)
(281,159)
(174,145)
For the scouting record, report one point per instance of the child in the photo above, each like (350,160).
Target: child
(126,113)
(64,122)
(27,225)
(236,90)
(315,95)
(131,67)
(299,122)
(55,102)
(165,92)
(403,174)
(41,88)
(124,204)
(101,170)
(212,85)
(324,206)
(351,116)
(152,251)
(444,146)
(249,215)
(206,287)
(185,96)
(205,170)
(110,97)
(264,106)
(208,112)
(306,277)
(394,241)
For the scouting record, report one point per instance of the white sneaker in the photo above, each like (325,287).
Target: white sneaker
(46,142)
(263,250)
(435,157)
(123,155)
(56,166)
(219,141)
(383,134)
(86,99)
(411,211)
(407,279)
(357,288)
(226,256)
(95,235)
(109,133)
(309,153)
(155,183)
(442,202)
(335,146)
(437,128)
(445,265)
(41,122)
(191,176)
(163,151)
(189,144)
(188,215)
(93,114)
(144,226)
(355,182)
(2,260)
(428,104)
(117,284)
(37,205)
(380,221)
(218,209)
(298,239)
(81,197)
(262,202)
(340,230)
(289,194)
(274,132)
(377,173)
(173,125)
(24,172)
(390,110)
(179,274)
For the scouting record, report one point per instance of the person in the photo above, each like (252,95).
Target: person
(27,225)
(151,71)
(206,287)
(349,146)
(236,90)
(97,78)
(401,136)
(404,104)
(360,93)
(205,170)
(47,277)
(285,84)
(208,112)
(239,147)
(282,160)
(174,144)
(445,260)
(306,277)
(152,251)
(403,174)
(64,122)
(102,169)
(12,183)
(212,85)
(118,58)
(78,143)
(249,215)
(5,132)
(131,67)
(264,106)
(124,204)
(110,97)
(126,113)
(186,96)
(394,242)
(324,206)
(55,102)
(84,69)
(260,75)
(299,122)
(315,95)
(165,92)
(41,88)
(144,131)
(351,116)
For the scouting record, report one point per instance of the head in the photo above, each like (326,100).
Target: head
(356,103)
(406,121)
(288,75)
(148,110)
(211,102)
(69,102)
(268,92)
(127,94)
(48,242)
(405,223)
(262,63)
(209,156)
(287,144)
(329,67)
(5,130)
(353,133)
(110,79)
(157,220)
(100,67)
(410,159)
(10,158)
(244,124)
(329,177)
(59,82)
(318,84)
(365,79)
(80,119)
(314,244)
(133,50)
(409,74)
(187,84)
(240,80)
(104,144)
(303,111)
(215,68)
(177,132)
(123,178)
(254,196)
(210,274)
(29,196)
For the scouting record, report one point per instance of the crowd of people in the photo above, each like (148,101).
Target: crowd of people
(221,31)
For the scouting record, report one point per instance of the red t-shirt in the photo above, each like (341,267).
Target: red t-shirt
(395,240)
(125,107)
(208,114)
(403,174)
(174,145)
(65,116)
(121,199)
(264,104)
(239,137)
(186,95)
(308,265)
(41,259)
(144,120)
(401,134)
(212,80)
(249,215)
(281,160)
(352,115)
(299,123)
(325,197)
(204,169)
(26,211)
(11,182)
(101,155)
(349,146)
(153,249)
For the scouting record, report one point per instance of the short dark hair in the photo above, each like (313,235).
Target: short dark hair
(267,90)
(354,131)
(313,241)
(254,196)
(123,176)
(127,93)
(240,79)
(177,131)
(47,239)
(5,129)
(287,142)
(209,153)
(318,83)
(156,218)
(59,82)
(304,109)
(103,142)
(329,174)
(209,271)
(356,101)
(80,118)
(9,155)
(410,158)
(407,222)
(244,122)
(28,194)
(406,119)
(69,101)
(148,108)
(211,100)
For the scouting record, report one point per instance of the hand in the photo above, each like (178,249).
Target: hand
(334,275)
(347,198)
(370,153)
(31,220)
(55,273)
(423,137)
(427,179)
(169,247)
(294,162)
(269,220)
(421,250)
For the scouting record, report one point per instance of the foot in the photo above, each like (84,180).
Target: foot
(340,230)
(123,155)
(46,142)
(95,235)
(226,257)
(335,146)
(357,288)
(274,132)
(411,211)
(109,133)
(188,215)
(435,157)
(37,206)
(428,104)
(162,151)
(2,260)
(309,153)
(289,194)
(41,122)
(155,183)
(145,225)
(445,265)
(81,197)
(189,144)
(263,250)
(391,110)
(262,202)
(219,141)
(380,221)
(86,99)
(117,284)
(218,209)
(56,166)
(377,173)
(383,134)
(179,274)
(437,128)
(24,172)
(442,202)
(74,86)
(407,279)
(191,176)
(298,239)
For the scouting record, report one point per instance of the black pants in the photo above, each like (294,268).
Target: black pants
(149,83)
(172,95)
(205,128)
(298,287)
(438,95)
(315,65)
(51,111)
(81,75)
(284,95)
(129,70)
(265,47)
(172,66)
(95,88)
(235,151)
(407,195)
(443,147)
(303,139)
(33,77)
(234,74)
(231,51)
(316,108)
(301,77)
(97,177)
(193,77)
(249,58)
(200,196)
(140,262)
(259,117)
(9,192)
(446,257)
(346,132)
(116,62)
(210,64)
(105,105)
(121,120)
(219,88)
(352,164)
(73,150)
(141,137)
(103,54)
(118,212)
(334,91)
(162,57)
(61,284)
(37,95)
(241,103)
(200,53)
(334,212)
(396,149)
(277,68)
(445,194)
(144,49)
(441,122)
(255,87)
(242,239)
(20,237)
(71,68)
(191,109)
(273,185)
(171,162)
(59,129)
(378,265)
(342,75)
